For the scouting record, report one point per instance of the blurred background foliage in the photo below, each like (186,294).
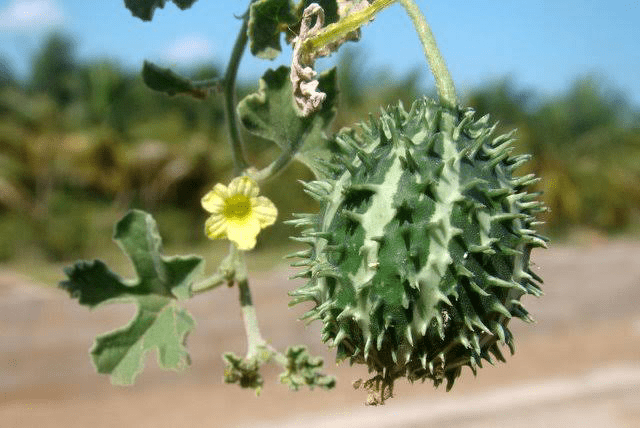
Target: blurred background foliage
(81,143)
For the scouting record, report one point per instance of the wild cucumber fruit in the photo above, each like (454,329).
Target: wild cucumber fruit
(420,252)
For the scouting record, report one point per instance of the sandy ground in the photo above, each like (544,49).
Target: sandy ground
(578,366)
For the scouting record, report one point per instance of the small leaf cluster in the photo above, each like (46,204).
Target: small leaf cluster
(301,369)
(243,372)
(304,369)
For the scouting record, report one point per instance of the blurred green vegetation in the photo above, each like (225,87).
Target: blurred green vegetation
(81,143)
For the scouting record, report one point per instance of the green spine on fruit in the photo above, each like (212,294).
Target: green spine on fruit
(419,255)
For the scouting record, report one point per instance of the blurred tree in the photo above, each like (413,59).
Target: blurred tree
(364,91)
(582,145)
(208,114)
(102,84)
(586,106)
(503,101)
(7,77)
(53,69)
(585,149)
(351,76)
(389,89)
(83,137)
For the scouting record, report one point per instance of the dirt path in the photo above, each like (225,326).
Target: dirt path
(578,366)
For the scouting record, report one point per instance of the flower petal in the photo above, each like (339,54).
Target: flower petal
(216,227)
(264,210)
(244,234)
(214,200)
(245,186)
(238,212)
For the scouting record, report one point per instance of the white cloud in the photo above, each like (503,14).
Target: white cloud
(189,49)
(29,15)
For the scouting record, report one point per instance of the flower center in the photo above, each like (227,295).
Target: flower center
(237,207)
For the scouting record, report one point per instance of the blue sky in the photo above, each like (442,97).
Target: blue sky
(542,45)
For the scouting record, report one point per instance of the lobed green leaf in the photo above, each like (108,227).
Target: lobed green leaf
(164,80)
(270,113)
(267,19)
(159,324)
(144,9)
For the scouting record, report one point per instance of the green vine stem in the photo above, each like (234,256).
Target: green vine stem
(444,82)
(225,274)
(233,268)
(249,316)
(214,281)
(229,84)
(257,346)
(277,166)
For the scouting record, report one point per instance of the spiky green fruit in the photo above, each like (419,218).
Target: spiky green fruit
(420,252)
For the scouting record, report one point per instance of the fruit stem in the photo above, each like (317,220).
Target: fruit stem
(444,82)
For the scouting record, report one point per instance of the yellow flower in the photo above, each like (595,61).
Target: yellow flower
(237,212)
